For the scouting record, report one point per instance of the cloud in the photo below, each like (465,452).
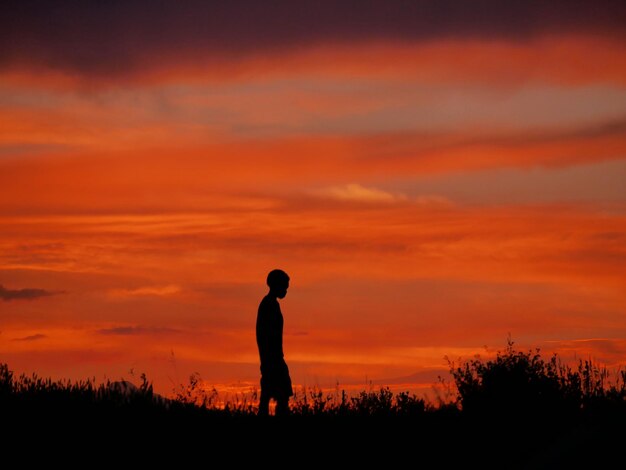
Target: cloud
(29,149)
(297,333)
(31,337)
(432,200)
(159,291)
(356,192)
(136,330)
(126,36)
(602,346)
(24,294)
(429,376)
(272,163)
(608,352)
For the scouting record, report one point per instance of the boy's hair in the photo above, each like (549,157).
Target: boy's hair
(276,277)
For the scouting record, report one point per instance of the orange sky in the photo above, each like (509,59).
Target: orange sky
(427,195)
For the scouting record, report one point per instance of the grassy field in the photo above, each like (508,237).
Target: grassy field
(517,410)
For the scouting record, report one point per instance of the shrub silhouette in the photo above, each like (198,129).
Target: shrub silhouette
(524,385)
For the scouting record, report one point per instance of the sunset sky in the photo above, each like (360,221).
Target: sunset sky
(433,175)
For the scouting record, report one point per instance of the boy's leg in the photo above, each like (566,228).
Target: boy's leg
(282,406)
(264,404)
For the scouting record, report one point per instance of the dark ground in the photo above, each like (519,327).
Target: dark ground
(431,440)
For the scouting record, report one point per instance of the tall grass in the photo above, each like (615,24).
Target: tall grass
(515,411)
(513,383)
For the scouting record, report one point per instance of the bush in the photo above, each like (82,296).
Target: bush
(525,385)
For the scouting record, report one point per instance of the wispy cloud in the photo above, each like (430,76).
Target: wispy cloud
(31,337)
(357,192)
(612,346)
(24,294)
(159,291)
(297,333)
(136,330)
(432,200)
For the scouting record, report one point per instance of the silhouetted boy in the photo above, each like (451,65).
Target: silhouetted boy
(275,380)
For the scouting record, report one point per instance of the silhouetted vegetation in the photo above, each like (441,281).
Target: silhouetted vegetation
(523,384)
(516,410)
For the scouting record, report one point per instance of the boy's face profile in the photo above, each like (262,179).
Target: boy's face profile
(280,289)
(278,281)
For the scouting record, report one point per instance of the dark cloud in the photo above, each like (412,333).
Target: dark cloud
(23,294)
(31,337)
(613,128)
(26,149)
(297,333)
(127,36)
(136,330)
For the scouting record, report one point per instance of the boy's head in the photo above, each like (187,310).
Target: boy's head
(278,282)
